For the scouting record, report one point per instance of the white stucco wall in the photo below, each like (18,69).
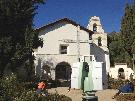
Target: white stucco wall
(52,39)
(103,39)
(104,51)
(95,20)
(52,36)
(114,71)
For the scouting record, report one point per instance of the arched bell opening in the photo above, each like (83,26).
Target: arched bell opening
(94,27)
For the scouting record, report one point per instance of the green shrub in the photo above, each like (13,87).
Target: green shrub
(57,97)
(115,84)
(32,96)
(10,88)
(126,97)
(27,96)
(13,90)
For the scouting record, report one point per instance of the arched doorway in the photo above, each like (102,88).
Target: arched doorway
(121,74)
(63,71)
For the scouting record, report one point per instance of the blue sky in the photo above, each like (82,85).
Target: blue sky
(109,11)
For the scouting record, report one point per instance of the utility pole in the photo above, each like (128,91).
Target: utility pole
(78,43)
(90,43)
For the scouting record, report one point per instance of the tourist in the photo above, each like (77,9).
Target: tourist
(41,87)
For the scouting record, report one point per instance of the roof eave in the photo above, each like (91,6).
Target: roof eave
(68,20)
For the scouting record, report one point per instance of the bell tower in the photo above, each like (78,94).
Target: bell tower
(95,25)
(99,39)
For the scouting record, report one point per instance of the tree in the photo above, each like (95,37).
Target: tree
(128,33)
(17,38)
(116,50)
(122,44)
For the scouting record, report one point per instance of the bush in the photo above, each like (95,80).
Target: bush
(10,88)
(115,84)
(126,97)
(27,96)
(13,90)
(57,97)
(32,96)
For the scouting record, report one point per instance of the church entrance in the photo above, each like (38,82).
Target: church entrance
(63,73)
(121,74)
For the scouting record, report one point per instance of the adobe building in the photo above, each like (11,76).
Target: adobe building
(66,42)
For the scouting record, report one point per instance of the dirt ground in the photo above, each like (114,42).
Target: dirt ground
(76,95)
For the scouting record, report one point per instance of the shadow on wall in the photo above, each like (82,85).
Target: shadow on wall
(46,72)
(98,52)
(38,67)
(104,76)
(44,67)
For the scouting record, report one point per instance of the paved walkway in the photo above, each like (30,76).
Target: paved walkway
(106,95)
(76,95)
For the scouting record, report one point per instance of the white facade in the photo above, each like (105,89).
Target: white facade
(95,20)
(94,79)
(114,71)
(64,33)
(100,42)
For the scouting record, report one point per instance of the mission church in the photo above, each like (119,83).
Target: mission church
(66,42)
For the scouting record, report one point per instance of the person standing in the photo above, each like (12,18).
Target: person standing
(41,87)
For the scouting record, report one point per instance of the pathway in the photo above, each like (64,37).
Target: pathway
(76,95)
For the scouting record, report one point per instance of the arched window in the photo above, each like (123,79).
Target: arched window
(99,41)
(94,27)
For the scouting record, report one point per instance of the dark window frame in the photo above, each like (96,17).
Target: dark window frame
(99,41)
(63,48)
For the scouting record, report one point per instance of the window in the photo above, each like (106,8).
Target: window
(90,37)
(94,27)
(63,49)
(99,41)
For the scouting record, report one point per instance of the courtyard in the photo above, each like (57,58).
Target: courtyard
(76,95)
